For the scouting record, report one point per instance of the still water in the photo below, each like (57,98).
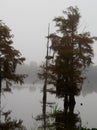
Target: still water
(25,102)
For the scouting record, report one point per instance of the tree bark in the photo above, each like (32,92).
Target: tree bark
(71,103)
(0,96)
(71,99)
(44,105)
(66,103)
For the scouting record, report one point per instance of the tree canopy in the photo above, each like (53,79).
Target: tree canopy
(9,57)
(72,53)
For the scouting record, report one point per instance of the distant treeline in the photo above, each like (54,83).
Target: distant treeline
(32,70)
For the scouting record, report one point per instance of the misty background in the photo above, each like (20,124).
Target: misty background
(32,69)
(28,21)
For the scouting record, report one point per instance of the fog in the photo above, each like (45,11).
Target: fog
(32,70)
(28,21)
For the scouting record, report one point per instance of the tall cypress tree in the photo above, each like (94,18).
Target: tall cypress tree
(9,58)
(73,53)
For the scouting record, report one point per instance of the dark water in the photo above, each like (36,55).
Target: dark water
(25,103)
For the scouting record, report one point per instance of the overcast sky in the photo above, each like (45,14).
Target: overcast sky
(28,20)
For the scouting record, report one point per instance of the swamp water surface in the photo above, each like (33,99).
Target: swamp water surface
(25,102)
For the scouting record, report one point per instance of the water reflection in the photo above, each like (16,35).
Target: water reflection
(59,119)
(67,121)
(25,104)
(8,123)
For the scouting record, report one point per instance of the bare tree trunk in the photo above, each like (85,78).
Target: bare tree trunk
(71,99)
(0,96)
(71,103)
(44,105)
(0,92)
(66,103)
(45,84)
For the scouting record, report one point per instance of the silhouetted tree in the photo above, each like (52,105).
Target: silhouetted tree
(9,58)
(72,53)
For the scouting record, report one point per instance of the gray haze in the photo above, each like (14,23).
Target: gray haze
(28,20)
(32,70)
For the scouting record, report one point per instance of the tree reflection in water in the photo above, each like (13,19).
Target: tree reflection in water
(9,124)
(58,119)
(67,119)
